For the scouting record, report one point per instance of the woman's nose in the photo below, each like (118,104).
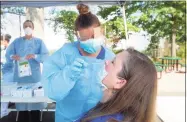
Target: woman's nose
(107,62)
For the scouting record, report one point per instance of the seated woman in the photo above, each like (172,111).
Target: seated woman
(131,90)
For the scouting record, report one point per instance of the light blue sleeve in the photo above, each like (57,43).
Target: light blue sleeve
(56,72)
(9,62)
(43,53)
(7,68)
(109,55)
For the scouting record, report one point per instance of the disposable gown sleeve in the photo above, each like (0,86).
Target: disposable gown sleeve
(8,66)
(56,74)
(43,53)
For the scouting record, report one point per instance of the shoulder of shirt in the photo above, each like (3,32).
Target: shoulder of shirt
(118,117)
(109,54)
(17,39)
(69,46)
(37,39)
(66,49)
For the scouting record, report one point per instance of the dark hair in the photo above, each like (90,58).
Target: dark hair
(30,22)
(7,37)
(86,18)
(136,100)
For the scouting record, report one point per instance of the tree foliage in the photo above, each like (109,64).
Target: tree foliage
(114,25)
(162,18)
(65,19)
(181,51)
(158,18)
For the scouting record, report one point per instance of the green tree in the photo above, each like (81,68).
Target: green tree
(162,18)
(181,51)
(65,19)
(153,43)
(114,25)
(158,18)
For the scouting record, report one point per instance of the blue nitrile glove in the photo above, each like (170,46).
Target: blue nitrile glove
(76,68)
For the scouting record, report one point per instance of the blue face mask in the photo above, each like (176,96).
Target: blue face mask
(91,45)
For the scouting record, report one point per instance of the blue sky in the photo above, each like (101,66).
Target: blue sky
(55,41)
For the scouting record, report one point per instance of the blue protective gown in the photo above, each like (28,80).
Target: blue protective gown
(4,106)
(73,98)
(23,47)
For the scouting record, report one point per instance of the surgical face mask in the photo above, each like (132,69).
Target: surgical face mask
(105,73)
(28,31)
(92,45)
(102,74)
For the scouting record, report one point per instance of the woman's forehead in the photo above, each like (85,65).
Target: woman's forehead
(121,56)
(27,24)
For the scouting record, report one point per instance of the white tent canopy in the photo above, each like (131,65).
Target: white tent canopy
(55,3)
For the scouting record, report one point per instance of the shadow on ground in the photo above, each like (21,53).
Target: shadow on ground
(47,117)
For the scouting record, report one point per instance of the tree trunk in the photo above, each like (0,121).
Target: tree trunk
(173,44)
(37,16)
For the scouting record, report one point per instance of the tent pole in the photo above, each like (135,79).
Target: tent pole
(20,23)
(125,24)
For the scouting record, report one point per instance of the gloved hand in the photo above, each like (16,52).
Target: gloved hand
(30,56)
(76,68)
(15,57)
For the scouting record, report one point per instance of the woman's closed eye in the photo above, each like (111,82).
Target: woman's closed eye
(113,61)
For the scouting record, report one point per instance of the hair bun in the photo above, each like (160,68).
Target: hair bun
(83,9)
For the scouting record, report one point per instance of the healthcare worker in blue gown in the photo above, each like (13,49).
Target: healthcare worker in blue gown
(71,72)
(35,52)
(5,39)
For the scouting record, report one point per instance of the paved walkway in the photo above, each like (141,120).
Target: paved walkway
(171,84)
(171,108)
(171,97)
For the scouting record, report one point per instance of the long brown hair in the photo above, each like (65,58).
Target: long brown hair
(135,100)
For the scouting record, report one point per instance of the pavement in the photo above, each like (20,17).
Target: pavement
(171,97)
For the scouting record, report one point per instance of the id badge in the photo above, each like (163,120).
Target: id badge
(24,68)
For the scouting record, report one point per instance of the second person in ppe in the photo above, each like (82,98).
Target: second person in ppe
(5,39)
(33,51)
(70,74)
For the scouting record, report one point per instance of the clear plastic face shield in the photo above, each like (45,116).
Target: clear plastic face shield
(89,33)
